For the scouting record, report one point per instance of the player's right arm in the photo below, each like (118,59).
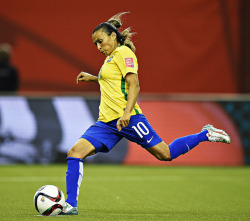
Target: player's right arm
(83,76)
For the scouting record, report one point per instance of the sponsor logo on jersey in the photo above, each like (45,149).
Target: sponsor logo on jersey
(129,62)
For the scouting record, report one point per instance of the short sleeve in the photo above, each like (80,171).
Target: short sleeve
(126,61)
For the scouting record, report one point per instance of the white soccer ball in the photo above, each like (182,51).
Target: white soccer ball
(49,200)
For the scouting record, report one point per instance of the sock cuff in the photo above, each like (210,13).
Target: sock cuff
(74,158)
(202,136)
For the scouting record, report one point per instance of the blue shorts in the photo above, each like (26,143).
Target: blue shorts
(104,136)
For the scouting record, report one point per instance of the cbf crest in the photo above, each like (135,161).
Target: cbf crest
(110,59)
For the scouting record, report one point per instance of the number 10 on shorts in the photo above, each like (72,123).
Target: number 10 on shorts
(141,129)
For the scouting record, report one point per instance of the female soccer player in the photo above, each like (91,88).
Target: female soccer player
(120,115)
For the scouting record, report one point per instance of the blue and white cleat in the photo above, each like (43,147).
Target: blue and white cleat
(69,210)
(216,135)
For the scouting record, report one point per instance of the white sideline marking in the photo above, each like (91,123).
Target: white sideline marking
(31,179)
(93,179)
(160,178)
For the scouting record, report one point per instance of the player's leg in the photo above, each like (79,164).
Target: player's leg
(96,139)
(182,145)
(81,149)
(74,174)
(161,151)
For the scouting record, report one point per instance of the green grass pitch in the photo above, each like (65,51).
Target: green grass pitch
(114,192)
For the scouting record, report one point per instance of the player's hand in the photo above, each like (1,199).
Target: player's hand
(123,121)
(83,76)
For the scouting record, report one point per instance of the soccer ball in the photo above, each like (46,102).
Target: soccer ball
(49,200)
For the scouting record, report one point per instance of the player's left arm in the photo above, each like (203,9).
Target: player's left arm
(133,93)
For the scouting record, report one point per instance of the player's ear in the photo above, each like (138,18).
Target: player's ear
(113,35)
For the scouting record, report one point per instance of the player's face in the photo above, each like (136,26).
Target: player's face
(105,44)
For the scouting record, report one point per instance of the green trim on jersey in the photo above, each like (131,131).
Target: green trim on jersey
(136,111)
(125,93)
(123,88)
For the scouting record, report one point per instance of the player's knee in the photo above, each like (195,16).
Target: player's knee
(73,153)
(70,153)
(164,157)
(80,151)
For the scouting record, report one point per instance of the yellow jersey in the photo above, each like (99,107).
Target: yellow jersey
(113,86)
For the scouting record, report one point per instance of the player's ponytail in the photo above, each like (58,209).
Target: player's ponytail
(112,25)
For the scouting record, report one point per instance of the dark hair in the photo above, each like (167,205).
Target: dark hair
(112,25)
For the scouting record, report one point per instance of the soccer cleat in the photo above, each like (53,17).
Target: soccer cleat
(69,210)
(216,135)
